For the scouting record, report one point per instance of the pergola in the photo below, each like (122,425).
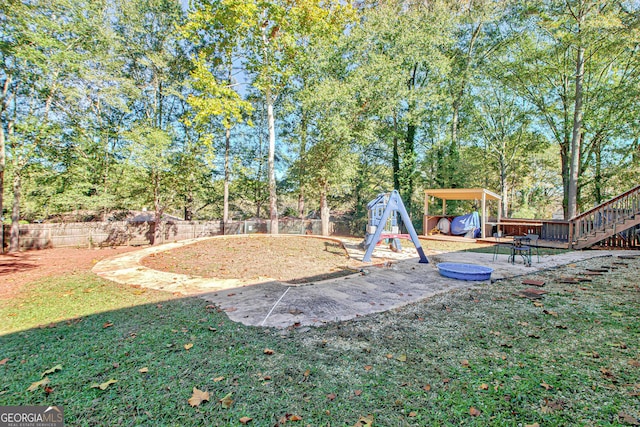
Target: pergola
(479,194)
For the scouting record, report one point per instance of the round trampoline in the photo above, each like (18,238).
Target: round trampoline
(458,271)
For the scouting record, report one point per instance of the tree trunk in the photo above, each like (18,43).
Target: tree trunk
(273,197)
(408,167)
(324,209)
(302,163)
(2,168)
(504,188)
(188,207)
(396,157)
(225,203)
(3,157)
(455,118)
(597,179)
(14,240)
(158,210)
(301,204)
(564,166)
(574,167)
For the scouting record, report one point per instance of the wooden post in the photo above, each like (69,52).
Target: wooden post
(484,215)
(425,230)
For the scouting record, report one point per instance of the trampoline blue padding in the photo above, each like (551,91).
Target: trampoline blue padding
(458,271)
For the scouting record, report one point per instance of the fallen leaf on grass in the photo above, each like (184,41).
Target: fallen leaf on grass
(465,363)
(4,361)
(617,344)
(538,304)
(107,325)
(143,370)
(607,373)
(634,363)
(474,412)
(38,384)
(357,392)
(245,420)
(198,397)
(289,417)
(427,387)
(227,401)
(365,421)
(218,379)
(413,414)
(545,409)
(188,346)
(331,396)
(104,385)
(556,405)
(368,367)
(532,425)
(629,419)
(51,371)
(389,356)
(484,386)
(268,351)
(402,358)
(545,385)
(551,313)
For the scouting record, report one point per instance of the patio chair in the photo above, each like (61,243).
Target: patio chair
(521,246)
(534,244)
(498,245)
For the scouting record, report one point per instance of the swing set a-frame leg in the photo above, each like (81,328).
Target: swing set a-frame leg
(395,204)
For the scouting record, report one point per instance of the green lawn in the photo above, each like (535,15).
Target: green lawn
(478,357)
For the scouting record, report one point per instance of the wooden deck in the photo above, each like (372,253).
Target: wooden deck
(446,238)
(552,244)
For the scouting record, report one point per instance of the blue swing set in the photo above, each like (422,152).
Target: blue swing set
(383,224)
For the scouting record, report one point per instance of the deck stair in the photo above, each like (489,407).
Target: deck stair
(612,217)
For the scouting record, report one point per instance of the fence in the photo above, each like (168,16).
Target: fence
(125,233)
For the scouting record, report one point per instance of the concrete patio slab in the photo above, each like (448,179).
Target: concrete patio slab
(397,279)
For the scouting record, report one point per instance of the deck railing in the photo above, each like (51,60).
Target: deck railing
(605,216)
(555,230)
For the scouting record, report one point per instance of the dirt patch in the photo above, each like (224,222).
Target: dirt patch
(289,259)
(18,269)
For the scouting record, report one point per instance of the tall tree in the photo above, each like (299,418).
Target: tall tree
(556,44)
(267,36)
(156,62)
(396,64)
(46,48)
(473,44)
(505,133)
(215,34)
